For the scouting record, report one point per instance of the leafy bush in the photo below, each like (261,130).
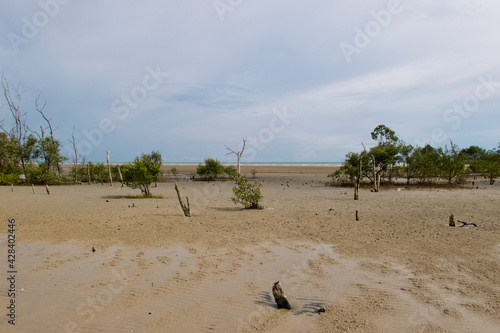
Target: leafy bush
(231,171)
(144,171)
(247,193)
(211,169)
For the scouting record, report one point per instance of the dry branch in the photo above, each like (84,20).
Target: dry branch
(467,223)
(185,208)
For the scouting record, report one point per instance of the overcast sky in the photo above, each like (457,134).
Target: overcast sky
(302,81)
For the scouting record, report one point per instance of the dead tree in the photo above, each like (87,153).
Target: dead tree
(73,142)
(358,178)
(88,171)
(376,176)
(109,169)
(279,297)
(185,208)
(47,156)
(238,154)
(18,133)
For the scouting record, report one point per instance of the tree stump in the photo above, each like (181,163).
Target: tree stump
(185,208)
(451,220)
(279,297)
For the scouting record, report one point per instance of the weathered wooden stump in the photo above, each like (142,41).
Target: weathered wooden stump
(451,220)
(279,297)
(357,215)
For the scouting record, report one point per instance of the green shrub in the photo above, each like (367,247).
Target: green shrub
(247,193)
(231,171)
(144,171)
(211,169)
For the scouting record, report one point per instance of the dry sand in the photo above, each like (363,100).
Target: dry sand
(401,268)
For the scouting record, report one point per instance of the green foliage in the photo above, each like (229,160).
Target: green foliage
(231,171)
(425,164)
(174,172)
(350,169)
(211,169)
(144,171)
(489,164)
(254,173)
(384,135)
(247,193)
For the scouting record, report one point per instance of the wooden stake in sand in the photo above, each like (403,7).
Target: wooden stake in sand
(109,170)
(88,172)
(357,215)
(279,297)
(33,189)
(47,189)
(185,208)
(12,187)
(119,172)
(451,220)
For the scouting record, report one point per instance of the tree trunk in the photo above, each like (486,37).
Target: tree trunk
(375,184)
(109,170)
(279,297)
(88,172)
(185,208)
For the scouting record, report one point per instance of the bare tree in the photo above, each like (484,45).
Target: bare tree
(48,148)
(238,154)
(19,129)
(73,142)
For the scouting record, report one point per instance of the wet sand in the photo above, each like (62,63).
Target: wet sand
(401,268)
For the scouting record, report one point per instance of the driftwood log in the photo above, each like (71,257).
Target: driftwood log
(185,208)
(279,297)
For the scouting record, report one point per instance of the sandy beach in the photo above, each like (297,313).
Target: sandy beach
(400,268)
